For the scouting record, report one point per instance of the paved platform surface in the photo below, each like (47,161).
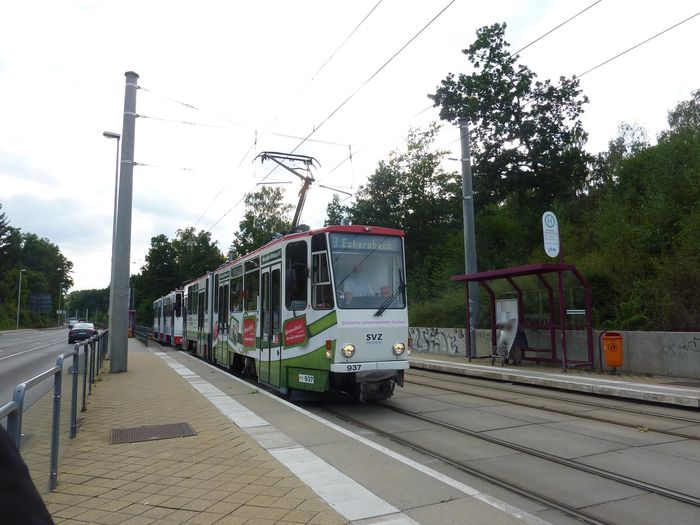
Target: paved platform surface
(219,476)
(642,388)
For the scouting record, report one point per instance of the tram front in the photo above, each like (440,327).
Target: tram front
(372,332)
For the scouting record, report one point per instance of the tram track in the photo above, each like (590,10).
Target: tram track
(500,481)
(481,474)
(582,415)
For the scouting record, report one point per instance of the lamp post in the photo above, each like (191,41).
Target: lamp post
(60,296)
(19,295)
(112,135)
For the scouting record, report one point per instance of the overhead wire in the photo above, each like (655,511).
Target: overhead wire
(352,95)
(265,131)
(639,44)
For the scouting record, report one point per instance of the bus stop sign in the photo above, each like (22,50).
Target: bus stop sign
(550,233)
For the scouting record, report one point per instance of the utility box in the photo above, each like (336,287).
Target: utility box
(613,349)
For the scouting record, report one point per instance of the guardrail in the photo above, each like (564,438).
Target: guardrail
(95,350)
(143,333)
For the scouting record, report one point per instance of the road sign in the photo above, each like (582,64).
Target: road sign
(550,233)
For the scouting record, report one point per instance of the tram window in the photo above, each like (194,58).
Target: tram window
(318,242)
(178,305)
(216,294)
(206,296)
(237,289)
(276,303)
(251,285)
(321,288)
(296,263)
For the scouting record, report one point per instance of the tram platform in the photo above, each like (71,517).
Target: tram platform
(653,389)
(255,459)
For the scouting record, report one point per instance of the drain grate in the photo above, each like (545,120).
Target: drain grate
(150,433)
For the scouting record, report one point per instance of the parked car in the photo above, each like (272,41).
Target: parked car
(81,331)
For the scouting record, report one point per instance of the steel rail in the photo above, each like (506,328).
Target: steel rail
(494,480)
(619,478)
(481,384)
(581,415)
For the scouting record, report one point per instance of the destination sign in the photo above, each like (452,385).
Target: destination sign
(365,243)
(272,256)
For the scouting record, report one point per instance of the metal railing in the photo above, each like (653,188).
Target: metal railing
(95,350)
(143,333)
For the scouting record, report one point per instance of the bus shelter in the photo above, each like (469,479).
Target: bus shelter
(553,281)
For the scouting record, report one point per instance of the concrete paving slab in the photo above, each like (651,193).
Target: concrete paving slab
(455,446)
(531,415)
(658,422)
(464,400)
(649,509)
(558,517)
(647,464)
(463,510)
(418,404)
(616,433)
(380,473)
(556,441)
(692,430)
(477,419)
(575,488)
(375,415)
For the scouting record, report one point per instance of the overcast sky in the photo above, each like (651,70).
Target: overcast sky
(251,67)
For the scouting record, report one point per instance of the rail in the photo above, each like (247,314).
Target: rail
(143,334)
(95,351)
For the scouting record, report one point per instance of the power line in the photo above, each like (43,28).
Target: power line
(325,63)
(639,44)
(357,90)
(555,28)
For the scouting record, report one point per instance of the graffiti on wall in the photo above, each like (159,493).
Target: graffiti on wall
(681,346)
(448,341)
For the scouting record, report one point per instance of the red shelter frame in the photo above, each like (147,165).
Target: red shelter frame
(538,270)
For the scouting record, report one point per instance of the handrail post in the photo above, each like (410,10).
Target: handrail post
(85,367)
(74,397)
(14,420)
(91,348)
(56,425)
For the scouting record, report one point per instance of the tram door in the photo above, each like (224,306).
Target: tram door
(270,325)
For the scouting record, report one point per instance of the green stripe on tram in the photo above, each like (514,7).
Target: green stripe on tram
(324,323)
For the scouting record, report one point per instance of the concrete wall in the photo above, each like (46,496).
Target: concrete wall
(675,354)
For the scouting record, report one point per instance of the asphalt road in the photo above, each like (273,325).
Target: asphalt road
(26,353)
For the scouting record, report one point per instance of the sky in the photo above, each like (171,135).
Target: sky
(245,76)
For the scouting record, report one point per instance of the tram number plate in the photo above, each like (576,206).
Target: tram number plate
(306,378)
(354,368)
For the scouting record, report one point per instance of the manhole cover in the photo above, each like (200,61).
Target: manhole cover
(150,433)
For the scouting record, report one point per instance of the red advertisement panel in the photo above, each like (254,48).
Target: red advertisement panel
(295,331)
(249,332)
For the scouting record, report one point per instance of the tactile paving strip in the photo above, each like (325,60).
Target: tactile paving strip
(150,433)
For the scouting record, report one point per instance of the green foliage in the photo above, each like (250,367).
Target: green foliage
(527,138)
(94,301)
(169,264)
(46,268)
(335,211)
(265,214)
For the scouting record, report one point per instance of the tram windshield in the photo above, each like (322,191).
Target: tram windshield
(368,271)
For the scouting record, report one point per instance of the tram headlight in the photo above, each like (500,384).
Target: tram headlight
(398,348)
(349,350)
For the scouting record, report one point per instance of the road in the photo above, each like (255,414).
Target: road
(26,353)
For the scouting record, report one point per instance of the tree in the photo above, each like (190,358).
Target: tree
(265,214)
(335,212)
(527,139)
(686,114)
(170,264)
(412,192)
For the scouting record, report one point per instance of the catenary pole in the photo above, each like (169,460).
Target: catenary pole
(469,230)
(119,290)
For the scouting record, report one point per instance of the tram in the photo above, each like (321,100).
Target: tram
(316,310)
(168,318)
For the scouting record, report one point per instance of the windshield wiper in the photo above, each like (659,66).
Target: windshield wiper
(392,297)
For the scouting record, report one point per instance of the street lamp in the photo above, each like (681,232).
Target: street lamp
(60,296)
(19,295)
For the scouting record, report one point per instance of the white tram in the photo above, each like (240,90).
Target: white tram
(312,310)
